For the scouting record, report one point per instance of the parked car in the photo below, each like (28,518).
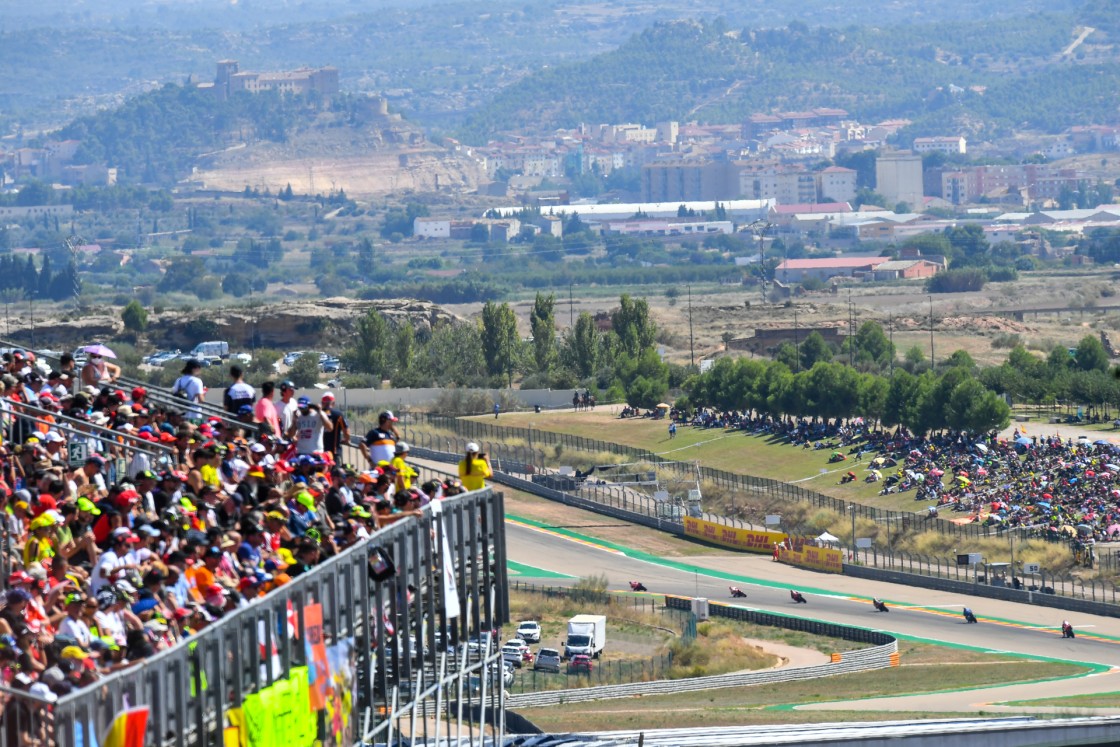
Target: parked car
(529,631)
(330,365)
(580,664)
(292,357)
(548,660)
(513,654)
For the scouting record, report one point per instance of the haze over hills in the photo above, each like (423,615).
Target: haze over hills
(63,58)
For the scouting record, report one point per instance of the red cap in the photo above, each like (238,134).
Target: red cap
(215,589)
(46,503)
(119,395)
(182,613)
(139,392)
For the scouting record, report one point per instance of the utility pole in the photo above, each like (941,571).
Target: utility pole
(760,227)
(851,332)
(932,360)
(796,342)
(691,344)
(890,325)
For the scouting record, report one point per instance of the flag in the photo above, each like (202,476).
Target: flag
(318,671)
(129,728)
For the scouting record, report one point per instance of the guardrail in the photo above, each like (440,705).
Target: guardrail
(387,637)
(880,656)
(477,430)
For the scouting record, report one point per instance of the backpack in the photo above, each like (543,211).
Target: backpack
(178,391)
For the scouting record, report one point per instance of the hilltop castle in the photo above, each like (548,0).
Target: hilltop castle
(229,80)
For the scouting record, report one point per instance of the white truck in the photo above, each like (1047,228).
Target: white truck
(587,634)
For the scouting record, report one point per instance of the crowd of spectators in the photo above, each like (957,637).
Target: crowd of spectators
(128,551)
(1049,485)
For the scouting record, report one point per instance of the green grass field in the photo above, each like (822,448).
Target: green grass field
(932,670)
(719,449)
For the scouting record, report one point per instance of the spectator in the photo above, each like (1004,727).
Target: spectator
(289,406)
(98,372)
(264,412)
(339,432)
(190,387)
(380,442)
(474,469)
(308,427)
(238,393)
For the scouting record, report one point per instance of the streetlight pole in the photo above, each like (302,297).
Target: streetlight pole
(932,359)
(691,344)
(852,508)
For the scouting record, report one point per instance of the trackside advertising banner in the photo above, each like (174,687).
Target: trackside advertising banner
(814,558)
(751,540)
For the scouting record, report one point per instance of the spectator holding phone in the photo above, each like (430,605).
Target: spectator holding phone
(474,468)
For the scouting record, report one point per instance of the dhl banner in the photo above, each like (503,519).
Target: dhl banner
(751,540)
(815,558)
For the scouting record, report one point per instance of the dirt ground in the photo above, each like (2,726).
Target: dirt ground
(966,321)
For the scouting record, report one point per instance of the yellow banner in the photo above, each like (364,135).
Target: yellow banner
(815,558)
(751,540)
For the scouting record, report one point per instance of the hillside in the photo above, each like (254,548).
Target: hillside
(970,76)
(265,141)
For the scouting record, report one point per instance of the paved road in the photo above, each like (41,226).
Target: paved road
(919,613)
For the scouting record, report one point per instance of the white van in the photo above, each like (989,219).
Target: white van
(209,350)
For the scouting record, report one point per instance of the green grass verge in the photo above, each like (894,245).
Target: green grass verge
(1096,700)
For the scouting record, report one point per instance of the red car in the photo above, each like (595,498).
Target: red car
(580,663)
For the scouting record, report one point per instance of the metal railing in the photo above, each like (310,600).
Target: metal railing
(156,394)
(741,487)
(401,681)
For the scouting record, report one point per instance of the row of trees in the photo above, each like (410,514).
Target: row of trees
(19,278)
(622,361)
(923,403)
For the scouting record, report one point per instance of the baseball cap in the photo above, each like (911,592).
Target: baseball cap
(388,415)
(74,652)
(96,459)
(472,448)
(327,395)
(53,437)
(287,384)
(144,605)
(245,410)
(360,513)
(139,392)
(85,504)
(305,499)
(401,447)
(303,401)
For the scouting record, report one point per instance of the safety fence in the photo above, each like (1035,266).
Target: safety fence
(883,653)
(364,647)
(741,487)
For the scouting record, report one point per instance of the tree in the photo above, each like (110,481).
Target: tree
(372,352)
(403,346)
(872,346)
(814,350)
(581,346)
(542,322)
(499,339)
(304,372)
(235,284)
(645,379)
(632,324)
(1090,355)
(134,316)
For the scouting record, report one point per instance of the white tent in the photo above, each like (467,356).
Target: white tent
(828,538)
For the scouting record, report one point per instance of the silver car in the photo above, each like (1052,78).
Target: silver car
(548,660)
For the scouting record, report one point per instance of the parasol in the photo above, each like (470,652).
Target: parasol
(101,350)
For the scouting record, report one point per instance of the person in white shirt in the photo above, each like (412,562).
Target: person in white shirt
(73,625)
(114,560)
(307,430)
(190,387)
(288,406)
(238,393)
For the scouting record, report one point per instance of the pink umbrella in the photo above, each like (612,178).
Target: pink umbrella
(101,350)
(1113,528)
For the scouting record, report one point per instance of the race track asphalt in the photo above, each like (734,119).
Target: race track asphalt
(1005,627)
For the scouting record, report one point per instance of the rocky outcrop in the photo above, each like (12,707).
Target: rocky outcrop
(323,323)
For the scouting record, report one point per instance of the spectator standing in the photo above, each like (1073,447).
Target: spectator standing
(339,432)
(380,443)
(238,393)
(307,430)
(190,387)
(98,372)
(289,405)
(474,469)
(264,411)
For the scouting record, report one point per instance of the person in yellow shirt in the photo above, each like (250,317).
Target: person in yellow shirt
(474,468)
(405,472)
